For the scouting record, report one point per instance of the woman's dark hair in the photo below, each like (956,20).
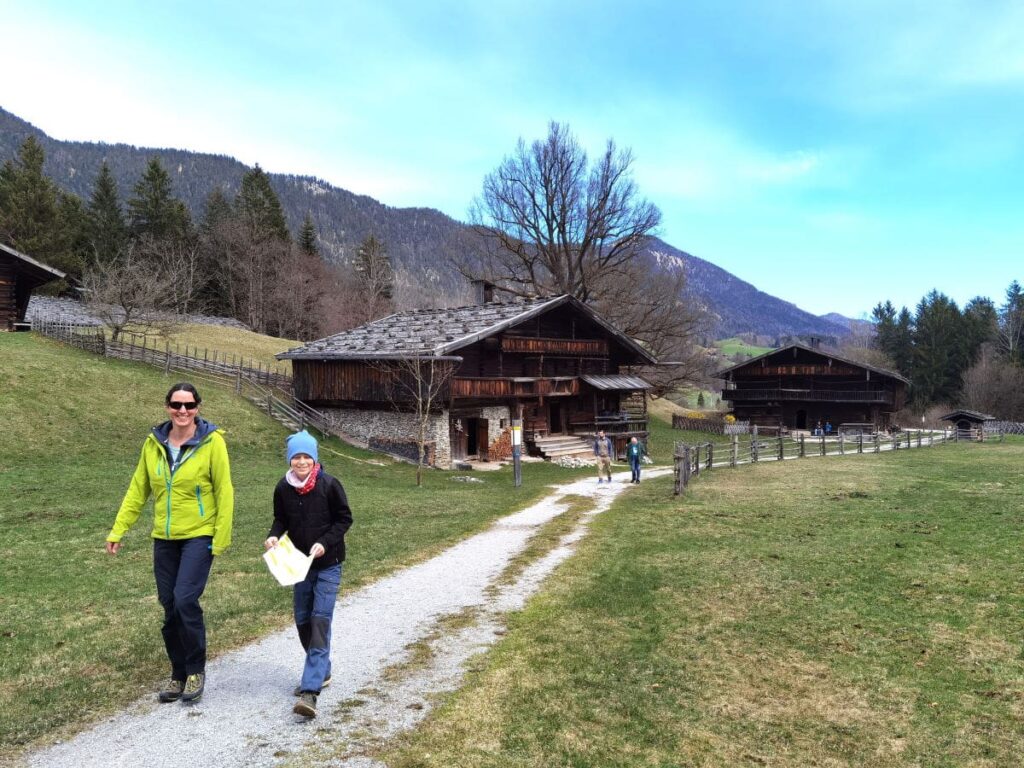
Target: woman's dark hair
(182,386)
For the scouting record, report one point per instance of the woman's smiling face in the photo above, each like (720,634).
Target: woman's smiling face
(182,407)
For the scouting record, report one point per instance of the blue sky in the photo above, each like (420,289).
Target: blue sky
(834,154)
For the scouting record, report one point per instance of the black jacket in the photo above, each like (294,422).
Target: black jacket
(322,515)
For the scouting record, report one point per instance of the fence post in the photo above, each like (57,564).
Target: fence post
(711,454)
(803,446)
(735,451)
(822,444)
(842,446)
(782,449)
(696,462)
(919,438)
(677,462)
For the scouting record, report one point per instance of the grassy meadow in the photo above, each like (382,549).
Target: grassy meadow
(858,611)
(80,636)
(734,346)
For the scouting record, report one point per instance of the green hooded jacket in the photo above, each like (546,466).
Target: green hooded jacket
(196,499)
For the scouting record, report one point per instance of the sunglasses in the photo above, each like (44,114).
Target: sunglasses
(187,406)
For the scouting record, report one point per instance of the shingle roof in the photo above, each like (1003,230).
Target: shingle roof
(41,272)
(624,383)
(971,415)
(438,332)
(722,374)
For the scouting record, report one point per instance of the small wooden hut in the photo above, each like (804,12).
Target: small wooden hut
(19,276)
(965,420)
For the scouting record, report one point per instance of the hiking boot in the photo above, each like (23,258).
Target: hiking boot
(171,691)
(324,684)
(194,685)
(306,705)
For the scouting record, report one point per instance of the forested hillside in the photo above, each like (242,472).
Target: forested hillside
(423,243)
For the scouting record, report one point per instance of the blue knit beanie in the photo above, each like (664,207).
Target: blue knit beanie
(301,442)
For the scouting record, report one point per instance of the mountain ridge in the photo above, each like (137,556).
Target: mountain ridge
(423,241)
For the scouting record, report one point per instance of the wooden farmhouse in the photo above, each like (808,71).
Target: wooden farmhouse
(796,387)
(19,276)
(553,362)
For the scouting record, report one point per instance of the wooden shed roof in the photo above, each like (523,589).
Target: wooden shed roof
(827,355)
(963,413)
(442,332)
(36,271)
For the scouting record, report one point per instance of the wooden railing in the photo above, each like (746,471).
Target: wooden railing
(690,460)
(611,425)
(462,387)
(826,395)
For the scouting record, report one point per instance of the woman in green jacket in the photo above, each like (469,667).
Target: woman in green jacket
(184,467)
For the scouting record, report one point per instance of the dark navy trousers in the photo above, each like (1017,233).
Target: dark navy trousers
(181,568)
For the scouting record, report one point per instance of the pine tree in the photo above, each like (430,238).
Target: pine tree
(902,352)
(154,211)
(308,237)
(260,208)
(939,350)
(35,217)
(106,226)
(1011,324)
(375,280)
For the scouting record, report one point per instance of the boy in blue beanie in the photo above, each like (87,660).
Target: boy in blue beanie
(311,507)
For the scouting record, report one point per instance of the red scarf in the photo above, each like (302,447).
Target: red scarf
(310,483)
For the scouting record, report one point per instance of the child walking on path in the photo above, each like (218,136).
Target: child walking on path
(311,507)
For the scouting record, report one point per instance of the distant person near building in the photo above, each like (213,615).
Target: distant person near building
(634,454)
(603,450)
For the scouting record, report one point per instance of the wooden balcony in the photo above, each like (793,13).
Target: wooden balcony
(818,395)
(462,387)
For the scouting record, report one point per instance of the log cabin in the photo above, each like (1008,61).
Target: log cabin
(554,363)
(19,276)
(797,386)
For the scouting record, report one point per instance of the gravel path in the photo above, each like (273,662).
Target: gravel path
(245,718)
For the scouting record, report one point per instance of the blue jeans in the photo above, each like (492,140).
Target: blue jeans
(181,568)
(634,465)
(314,608)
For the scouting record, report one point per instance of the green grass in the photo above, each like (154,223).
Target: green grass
(861,611)
(80,636)
(733,346)
(254,348)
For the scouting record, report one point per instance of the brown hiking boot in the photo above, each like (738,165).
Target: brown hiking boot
(306,705)
(171,691)
(324,684)
(194,685)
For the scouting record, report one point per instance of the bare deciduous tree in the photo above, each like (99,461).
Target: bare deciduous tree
(994,385)
(129,291)
(417,386)
(552,223)
(555,224)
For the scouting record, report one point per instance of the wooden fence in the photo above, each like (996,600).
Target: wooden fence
(210,364)
(691,460)
(713,426)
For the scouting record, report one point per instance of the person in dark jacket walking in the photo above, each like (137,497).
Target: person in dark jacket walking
(311,507)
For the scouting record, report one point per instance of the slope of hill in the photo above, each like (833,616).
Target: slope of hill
(423,241)
(738,306)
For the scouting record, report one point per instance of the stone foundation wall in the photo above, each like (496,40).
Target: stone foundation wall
(395,432)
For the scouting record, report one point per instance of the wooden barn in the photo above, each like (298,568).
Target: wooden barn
(796,387)
(553,362)
(19,276)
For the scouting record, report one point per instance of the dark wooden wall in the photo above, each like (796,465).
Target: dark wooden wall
(8,301)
